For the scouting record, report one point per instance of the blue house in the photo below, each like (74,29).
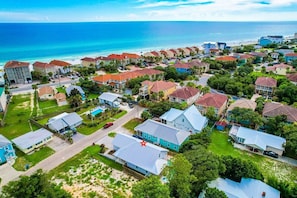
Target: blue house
(266,40)
(162,134)
(290,57)
(189,120)
(246,188)
(111,99)
(183,68)
(6,150)
(138,155)
(78,88)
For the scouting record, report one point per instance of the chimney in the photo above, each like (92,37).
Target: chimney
(263,194)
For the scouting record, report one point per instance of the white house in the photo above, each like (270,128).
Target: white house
(3,99)
(33,140)
(257,140)
(110,99)
(246,188)
(138,155)
(189,120)
(65,122)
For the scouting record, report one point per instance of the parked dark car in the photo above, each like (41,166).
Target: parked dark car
(271,154)
(107,125)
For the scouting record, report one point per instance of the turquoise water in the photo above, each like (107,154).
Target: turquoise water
(96,112)
(69,41)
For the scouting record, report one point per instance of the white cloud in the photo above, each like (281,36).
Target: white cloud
(19,16)
(170,3)
(220,10)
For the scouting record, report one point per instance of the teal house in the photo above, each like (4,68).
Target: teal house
(162,134)
(6,150)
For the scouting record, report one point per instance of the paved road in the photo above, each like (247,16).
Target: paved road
(28,87)
(68,152)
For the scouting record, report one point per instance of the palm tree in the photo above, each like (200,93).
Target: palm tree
(161,95)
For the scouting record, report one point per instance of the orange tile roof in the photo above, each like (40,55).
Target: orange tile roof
(116,56)
(45,90)
(182,65)
(158,86)
(212,100)
(126,75)
(60,63)
(226,58)
(291,54)
(42,65)
(102,78)
(132,56)
(155,53)
(60,97)
(13,64)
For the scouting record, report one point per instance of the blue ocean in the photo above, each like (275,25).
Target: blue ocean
(46,41)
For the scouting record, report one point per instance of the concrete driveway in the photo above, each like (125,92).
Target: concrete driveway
(57,144)
(7,173)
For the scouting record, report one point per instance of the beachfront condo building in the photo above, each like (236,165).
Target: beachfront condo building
(18,72)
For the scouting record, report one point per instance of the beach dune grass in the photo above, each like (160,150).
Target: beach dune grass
(269,167)
(16,120)
(131,124)
(23,160)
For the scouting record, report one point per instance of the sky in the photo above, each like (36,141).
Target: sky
(147,10)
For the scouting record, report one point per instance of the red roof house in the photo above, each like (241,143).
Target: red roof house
(218,101)
(265,86)
(14,64)
(272,109)
(226,59)
(185,94)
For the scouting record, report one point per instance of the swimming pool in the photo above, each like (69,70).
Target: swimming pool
(96,112)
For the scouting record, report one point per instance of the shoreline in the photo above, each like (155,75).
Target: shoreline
(75,58)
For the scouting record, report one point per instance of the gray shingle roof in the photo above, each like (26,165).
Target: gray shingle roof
(71,87)
(163,131)
(4,141)
(246,188)
(31,138)
(111,97)
(64,120)
(146,157)
(261,139)
(192,114)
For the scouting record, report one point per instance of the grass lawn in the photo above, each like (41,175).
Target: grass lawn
(117,116)
(18,113)
(132,124)
(75,161)
(93,96)
(267,166)
(86,130)
(22,160)
(112,134)
(61,89)
(50,106)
